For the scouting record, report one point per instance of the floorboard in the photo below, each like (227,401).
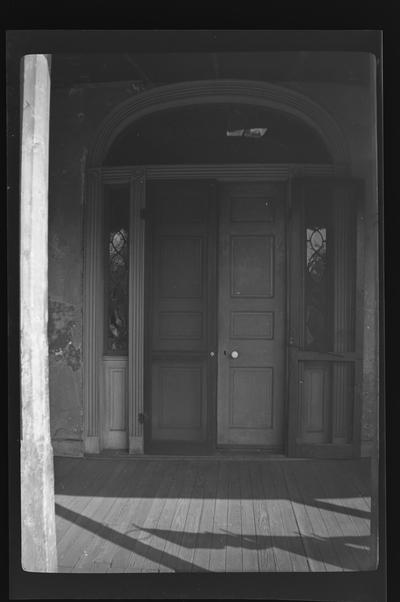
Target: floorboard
(234,556)
(170,556)
(337,521)
(116,521)
(64,466)
(191,530)
(249,537)
(290,528)
(77,539)
(126,515)
(277,529)
(158,542)
(218,538)
(125,555)
(317,532)
(202,552)
(264,539)
(149,559)
(75,492)
(354,503)
(311,544)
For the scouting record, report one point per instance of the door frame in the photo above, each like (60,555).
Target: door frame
(135,177)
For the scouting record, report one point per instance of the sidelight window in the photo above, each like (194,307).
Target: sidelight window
(318,277)
(116,220)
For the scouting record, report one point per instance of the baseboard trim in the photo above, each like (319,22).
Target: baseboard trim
(92,445)
(136,445)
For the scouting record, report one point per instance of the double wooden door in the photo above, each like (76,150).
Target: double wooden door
(215,316)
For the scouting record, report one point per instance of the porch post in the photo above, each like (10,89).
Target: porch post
(38,535)
(370,392)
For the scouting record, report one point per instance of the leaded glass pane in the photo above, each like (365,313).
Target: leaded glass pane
(117,271)
(318,278)
(316,253)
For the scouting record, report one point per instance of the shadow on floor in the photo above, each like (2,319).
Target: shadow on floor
(349,552)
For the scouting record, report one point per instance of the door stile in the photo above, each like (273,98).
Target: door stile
(223,316)
(147,347)
(136,312)
(212,336)
(360,248)
(295,312)
(93,310)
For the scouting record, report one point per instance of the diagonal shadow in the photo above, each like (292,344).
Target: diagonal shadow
(360,544)
(124,541)
(342,509)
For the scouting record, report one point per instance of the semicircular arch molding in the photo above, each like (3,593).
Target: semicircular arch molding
(220,91)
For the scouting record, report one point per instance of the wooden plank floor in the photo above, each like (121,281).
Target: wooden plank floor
(212,514)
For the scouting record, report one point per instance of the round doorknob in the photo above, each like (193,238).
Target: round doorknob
(234,355)
(212,353)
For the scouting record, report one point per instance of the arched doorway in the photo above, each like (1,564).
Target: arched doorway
(168,379)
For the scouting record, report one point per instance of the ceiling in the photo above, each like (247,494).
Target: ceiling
(155,68)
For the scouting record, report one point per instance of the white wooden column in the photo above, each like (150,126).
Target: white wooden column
(38,541)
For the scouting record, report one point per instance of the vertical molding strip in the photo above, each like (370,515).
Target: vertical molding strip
(136,311)
(92,318)
(295,292)
(344,318)
(359,334)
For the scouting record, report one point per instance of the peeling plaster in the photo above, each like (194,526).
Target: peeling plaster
(60,334)
(63,434)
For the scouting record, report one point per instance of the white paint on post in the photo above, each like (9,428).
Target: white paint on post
(38,541)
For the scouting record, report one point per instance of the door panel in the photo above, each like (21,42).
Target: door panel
(251,315)
(180,391)
(182,256)
(257,412)
(252,265)
(114,395)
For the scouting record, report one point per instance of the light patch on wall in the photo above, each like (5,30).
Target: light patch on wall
(247,133)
